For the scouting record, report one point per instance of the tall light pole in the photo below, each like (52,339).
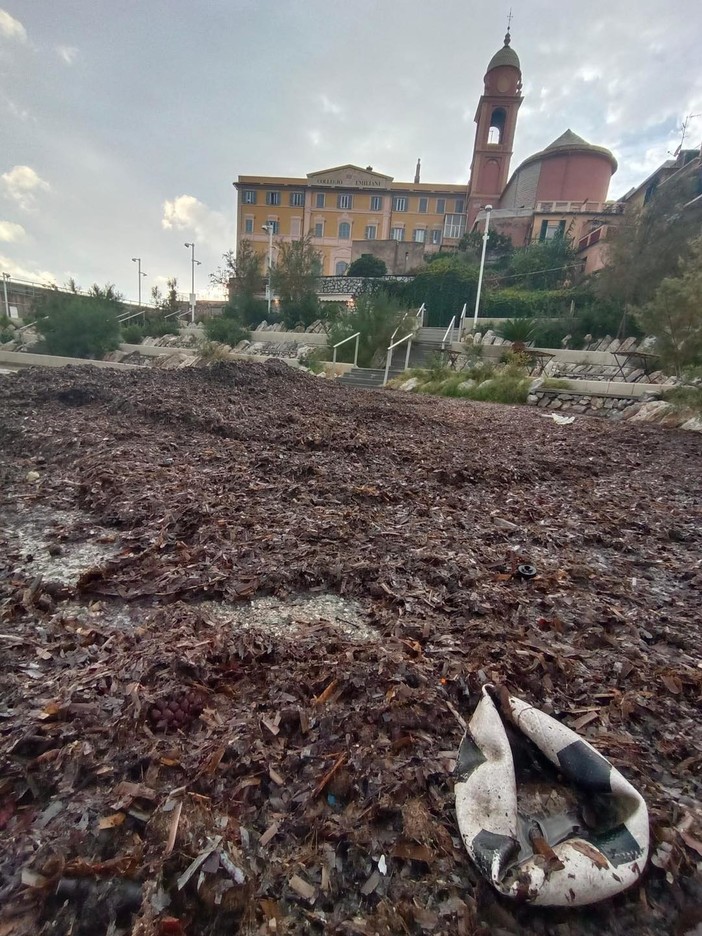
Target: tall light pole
(137,260)
(269,230)
(194,263)
(488,209)
(5,278)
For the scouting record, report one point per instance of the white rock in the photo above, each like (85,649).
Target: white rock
(694,424)
(410,384)
(33,477)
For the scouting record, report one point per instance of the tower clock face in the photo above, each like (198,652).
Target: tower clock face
(503,84)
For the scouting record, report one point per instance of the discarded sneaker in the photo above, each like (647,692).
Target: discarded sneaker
(589,850)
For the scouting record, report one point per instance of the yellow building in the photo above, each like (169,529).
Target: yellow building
(346,207)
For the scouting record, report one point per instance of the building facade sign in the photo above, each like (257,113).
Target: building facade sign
(349,177)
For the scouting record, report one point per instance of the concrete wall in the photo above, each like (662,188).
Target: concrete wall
(18,359)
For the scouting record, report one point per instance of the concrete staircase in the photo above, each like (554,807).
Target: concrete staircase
(367,378)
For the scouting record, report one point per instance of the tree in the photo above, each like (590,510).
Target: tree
(367,265)
(547,264)
(650,245)
(81,326)
(294,279)
(472,241)
(241,274)
(375,316)
(674,315)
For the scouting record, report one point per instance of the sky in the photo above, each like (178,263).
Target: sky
(123,125)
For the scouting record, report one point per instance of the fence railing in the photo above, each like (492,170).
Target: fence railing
(357,335)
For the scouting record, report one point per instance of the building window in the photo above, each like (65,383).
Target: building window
(551,229)
(272,198)
(399,203)
(419,235)
(460,206)
(295,227)
(454,225)
(344,230)
(319,200)
(497,126)
(341,267)
(274,224)
(371,232)
(319,229)
(397,233)
(344,201)
(440,205)
(248,226)
(297,199)
(376,203)
(436,236)
(249,196)
(423,202)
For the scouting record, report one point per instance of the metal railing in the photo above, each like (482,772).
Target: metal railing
(388,360)
(448,331)
(462,321)
(419,323)
(357,335)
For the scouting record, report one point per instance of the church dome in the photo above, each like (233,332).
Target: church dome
(506,56)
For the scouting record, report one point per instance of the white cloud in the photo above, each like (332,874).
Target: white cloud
(329,106)
(30,273)
(67,54)
(11,233)
(22,184)
(11,28)
(187,213)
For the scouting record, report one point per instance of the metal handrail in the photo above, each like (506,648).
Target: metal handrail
(420,316)
(447,333)
(357,335)
(126,318)
(462,321)
(392,347)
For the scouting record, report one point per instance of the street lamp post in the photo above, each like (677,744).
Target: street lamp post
(137,260)
(5,278)
(269,230)
(488,209)
(194,263)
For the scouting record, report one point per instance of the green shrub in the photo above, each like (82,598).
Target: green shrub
(375,316)
(132,334)
(79,326)
(689,398)
(520,331)
(314,360)
(225,331)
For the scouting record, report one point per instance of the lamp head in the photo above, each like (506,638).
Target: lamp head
(189,245)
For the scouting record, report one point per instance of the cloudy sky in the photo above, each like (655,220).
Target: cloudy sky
(123,125)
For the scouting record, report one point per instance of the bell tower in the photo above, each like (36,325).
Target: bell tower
(496,119)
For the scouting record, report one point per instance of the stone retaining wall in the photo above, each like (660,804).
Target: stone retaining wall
(571,402)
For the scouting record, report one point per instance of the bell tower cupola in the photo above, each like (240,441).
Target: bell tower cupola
(496,120)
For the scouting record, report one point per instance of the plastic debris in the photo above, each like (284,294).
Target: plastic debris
(577,857)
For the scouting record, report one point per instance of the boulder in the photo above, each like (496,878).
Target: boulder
(693,425)
(410,384)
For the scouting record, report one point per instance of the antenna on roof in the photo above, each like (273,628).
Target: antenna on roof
(686,124)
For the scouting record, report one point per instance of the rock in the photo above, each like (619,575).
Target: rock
(410,384)
(33,477)
(506,525)
(628,344)
(532,399)
(477,338)
(536,383)
(652,412)
(693,425)
(467,385)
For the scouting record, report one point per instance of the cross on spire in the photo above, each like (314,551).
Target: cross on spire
(509,20)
